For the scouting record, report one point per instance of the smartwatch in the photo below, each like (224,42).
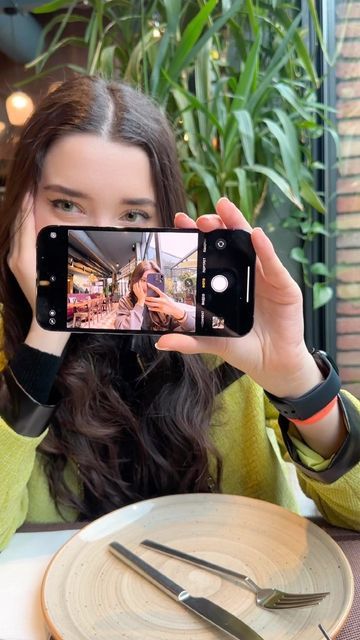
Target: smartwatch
(317,398)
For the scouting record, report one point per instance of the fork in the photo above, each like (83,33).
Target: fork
(265,598)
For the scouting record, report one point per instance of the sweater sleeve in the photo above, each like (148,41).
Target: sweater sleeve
(334,483)
(17,456)
(189,321)
(128,318)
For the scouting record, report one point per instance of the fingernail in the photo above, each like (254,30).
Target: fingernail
(159,347)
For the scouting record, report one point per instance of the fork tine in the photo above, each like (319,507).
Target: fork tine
(288,603)
(304,596)
(275,599)
(294,605)
(309,599)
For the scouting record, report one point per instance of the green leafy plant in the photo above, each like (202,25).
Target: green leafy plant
(237,80)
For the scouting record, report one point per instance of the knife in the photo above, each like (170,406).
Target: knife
(217,616)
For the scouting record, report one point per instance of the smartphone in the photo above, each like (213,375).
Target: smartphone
(84,277)
(157,279)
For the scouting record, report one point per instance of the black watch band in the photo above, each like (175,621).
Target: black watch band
(314,400)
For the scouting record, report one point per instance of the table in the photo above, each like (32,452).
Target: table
(25,559)
(349,541)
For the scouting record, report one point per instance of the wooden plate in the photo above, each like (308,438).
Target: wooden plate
(88,594)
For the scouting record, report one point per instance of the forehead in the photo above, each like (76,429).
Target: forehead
(88,162)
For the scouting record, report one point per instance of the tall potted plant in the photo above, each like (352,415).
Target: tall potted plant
(237,81)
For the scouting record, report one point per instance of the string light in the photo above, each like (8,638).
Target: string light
(19,106)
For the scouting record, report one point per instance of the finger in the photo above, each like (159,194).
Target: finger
(210,222)
(272,268)
(26,208)
(183,221)
(23,229)
(156,289)
(151,305)
(187,344)
(231,216)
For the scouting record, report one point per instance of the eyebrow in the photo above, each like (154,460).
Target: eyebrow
(66,190)
(78,194)
(139,201)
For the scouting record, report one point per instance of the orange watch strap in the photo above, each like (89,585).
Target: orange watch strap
(317,416)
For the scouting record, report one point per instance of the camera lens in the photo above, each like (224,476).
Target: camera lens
(52,278)
(220,243)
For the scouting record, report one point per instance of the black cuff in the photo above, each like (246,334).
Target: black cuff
(19,410)
(35,371)
(345,458)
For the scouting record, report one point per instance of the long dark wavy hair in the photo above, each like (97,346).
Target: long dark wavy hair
(130,433)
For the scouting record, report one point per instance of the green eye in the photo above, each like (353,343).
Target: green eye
(134,216)
(65,206)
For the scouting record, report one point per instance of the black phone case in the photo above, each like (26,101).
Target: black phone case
(219,256)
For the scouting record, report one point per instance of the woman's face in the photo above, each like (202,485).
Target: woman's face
(143,279)
(87,180)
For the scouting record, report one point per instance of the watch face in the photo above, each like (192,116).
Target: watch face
(323,360)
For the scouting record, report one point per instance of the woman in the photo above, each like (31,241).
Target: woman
(157,312)
(90,423)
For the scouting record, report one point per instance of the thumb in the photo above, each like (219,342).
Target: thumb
(185,344)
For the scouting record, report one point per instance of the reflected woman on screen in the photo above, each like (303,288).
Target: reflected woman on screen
(158,312)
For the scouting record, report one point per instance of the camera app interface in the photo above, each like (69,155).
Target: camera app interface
(132,280)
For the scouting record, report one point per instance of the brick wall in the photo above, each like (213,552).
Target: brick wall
(348,195)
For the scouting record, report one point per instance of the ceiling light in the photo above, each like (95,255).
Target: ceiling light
(19,106)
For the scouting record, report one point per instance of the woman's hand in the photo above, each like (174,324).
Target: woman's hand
(163,304)
(139,293)
(22,263)
(273,353)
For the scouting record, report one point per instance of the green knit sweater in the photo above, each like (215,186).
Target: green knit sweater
(245,430)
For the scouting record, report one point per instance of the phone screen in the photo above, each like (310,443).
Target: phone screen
(145,280)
